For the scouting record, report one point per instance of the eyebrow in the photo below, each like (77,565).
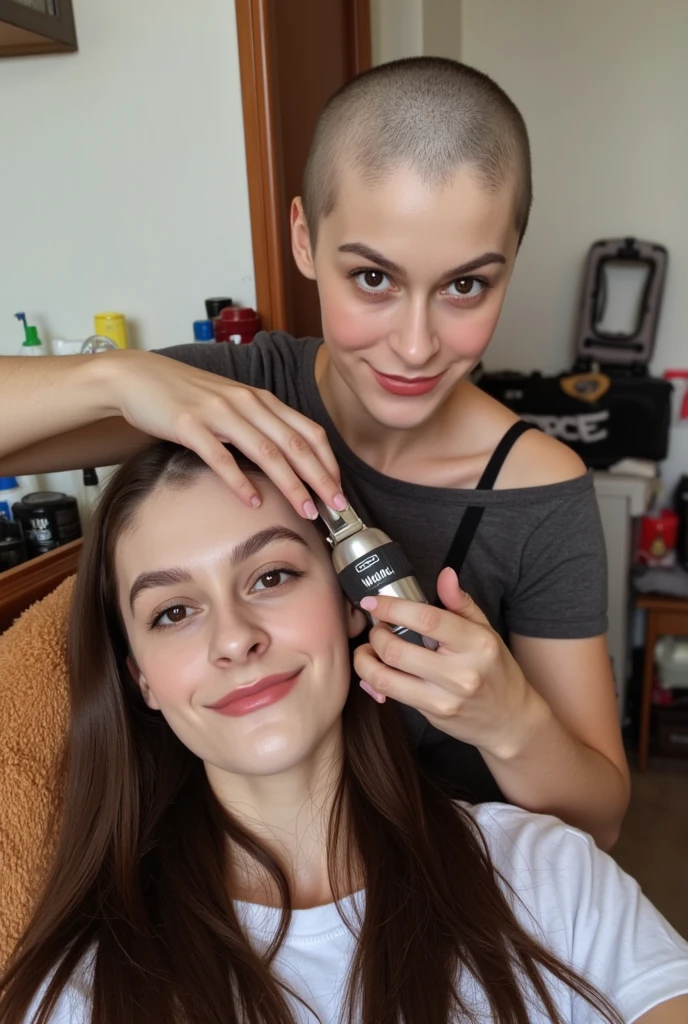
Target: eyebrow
(360,249)
(251,546)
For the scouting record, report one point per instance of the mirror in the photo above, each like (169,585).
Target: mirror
(44,6)
(621,289)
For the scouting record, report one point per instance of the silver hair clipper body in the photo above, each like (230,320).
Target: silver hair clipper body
(369,563)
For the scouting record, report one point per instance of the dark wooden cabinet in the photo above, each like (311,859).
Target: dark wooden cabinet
(36,26)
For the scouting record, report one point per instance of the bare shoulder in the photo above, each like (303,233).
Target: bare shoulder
(537,459)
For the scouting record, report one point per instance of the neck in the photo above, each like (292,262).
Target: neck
(288,813)
(387,449)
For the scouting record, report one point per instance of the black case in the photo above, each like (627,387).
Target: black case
(607,407)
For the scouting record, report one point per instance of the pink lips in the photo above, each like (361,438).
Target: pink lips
(261,694)
(406,385)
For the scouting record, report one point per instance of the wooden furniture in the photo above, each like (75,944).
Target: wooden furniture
(622,500)
(22,586)
(36,26)
(666,616)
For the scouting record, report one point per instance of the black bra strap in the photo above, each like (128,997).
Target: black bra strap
(470,520)
(463,538)
(487,480)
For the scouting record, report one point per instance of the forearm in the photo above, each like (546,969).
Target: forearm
(45,397)
(549,771)
(57,413)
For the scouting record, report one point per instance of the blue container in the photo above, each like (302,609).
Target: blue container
(203,330)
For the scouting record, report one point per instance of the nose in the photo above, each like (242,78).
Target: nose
(414,340)
(236,636)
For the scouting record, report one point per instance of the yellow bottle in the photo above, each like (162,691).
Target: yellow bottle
(113,326)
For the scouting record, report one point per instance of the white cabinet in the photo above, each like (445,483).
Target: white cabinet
(622,501)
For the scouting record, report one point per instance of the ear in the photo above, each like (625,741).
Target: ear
(301,240)
(139,679)
(356,620)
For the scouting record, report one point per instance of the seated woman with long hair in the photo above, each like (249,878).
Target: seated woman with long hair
(245,836)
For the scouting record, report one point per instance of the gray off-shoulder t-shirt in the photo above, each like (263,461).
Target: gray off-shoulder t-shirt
(536,565)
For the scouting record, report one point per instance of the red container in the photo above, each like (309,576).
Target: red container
(657,543)
(236,324)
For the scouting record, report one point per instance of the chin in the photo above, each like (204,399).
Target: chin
(400,413)
(272,752)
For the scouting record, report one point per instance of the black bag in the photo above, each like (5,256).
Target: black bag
(607,408)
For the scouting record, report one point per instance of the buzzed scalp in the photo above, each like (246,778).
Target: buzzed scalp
(429,114)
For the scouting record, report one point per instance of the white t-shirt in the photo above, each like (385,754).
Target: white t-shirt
(571,896)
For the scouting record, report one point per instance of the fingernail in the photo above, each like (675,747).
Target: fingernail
(372,693)
(369,604)
(310,509)
(339,502)
(255,501)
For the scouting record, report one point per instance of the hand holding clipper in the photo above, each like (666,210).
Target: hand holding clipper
(369,563)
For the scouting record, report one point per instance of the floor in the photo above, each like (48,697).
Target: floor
(654,840)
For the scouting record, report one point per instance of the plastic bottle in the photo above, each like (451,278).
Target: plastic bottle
(32,345)
(213,307)
(113,326)
(203,331)
(237,325)
(62,347)
(10,491)
(98,343)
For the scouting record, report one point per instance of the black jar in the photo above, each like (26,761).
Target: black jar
(13,550)
(49,518)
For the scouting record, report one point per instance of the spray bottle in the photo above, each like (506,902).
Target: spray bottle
(32,345)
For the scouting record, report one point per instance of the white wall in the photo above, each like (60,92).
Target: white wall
(604,90)
(408,28)
(122,173)
(397,29)
(442,28)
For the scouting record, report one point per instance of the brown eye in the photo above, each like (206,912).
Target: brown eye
(171,616)
(467,287)
(371,280)
(271,579)
(177,613)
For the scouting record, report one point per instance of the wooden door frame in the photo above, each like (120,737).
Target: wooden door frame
(261,133)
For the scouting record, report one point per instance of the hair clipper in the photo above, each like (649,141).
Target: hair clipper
(369,563)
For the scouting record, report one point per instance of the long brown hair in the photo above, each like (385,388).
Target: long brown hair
(139,880)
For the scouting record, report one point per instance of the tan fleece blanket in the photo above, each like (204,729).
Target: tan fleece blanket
(34,711)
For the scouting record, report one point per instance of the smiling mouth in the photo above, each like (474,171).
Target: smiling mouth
(260,694)
(398,385)
(408,380)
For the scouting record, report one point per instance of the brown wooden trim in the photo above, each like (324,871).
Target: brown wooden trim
(662,603)
(362,37)
(262,160)
(22,586)
(52,33)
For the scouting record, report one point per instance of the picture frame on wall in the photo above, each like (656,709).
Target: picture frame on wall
(30,27)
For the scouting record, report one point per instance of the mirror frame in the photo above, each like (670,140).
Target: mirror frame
(25,32)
